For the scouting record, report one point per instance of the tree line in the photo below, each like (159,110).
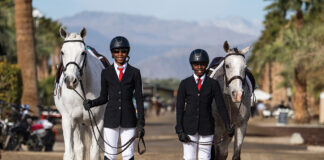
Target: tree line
(30,42)
(293,37)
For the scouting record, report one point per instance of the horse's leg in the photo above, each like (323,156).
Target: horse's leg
(86,138)
(239,136)
(78,145)
(221,149)
(67,126)
(94,149)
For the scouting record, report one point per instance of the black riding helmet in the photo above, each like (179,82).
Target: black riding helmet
(199,56)
(119,42)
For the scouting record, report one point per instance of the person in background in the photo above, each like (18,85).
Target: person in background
(260,107)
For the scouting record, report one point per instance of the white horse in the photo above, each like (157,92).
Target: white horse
(237,91)
(79,67)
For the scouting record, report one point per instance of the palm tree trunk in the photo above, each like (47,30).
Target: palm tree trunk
(300,98)
(26,52)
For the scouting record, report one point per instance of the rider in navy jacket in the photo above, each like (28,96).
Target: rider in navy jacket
(120,82)
(195,122)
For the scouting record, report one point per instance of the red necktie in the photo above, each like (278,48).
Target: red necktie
(199,84)
(120,73)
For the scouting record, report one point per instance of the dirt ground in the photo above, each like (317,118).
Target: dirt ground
(162,143)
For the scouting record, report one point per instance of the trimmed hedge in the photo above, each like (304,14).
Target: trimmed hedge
(10,83)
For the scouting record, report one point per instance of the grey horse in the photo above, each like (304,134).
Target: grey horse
(237,92)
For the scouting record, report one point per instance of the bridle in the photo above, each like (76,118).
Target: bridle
(229,80)
(74,63)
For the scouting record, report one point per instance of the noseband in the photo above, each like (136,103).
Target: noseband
(77,65)
(234,77)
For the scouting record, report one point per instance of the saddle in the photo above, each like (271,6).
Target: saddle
(91,50)
(217,60)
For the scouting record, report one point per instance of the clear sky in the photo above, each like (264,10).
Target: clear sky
(187,10)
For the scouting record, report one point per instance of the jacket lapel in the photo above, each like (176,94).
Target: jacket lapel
(113,72)
(194,84)
(128,69)
(204,83)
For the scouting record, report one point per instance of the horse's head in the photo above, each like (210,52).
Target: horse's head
(234,71)
(73,56)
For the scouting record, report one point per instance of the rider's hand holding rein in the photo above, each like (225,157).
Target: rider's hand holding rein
(87,104)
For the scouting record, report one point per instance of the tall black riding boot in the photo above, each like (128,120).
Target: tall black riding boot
(105,158)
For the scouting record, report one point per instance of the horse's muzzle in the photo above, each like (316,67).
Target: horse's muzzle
(237,96)
(71,82)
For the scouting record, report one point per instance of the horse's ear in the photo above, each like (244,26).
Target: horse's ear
(226,46)
(83,32)
(63,33)
(245,50)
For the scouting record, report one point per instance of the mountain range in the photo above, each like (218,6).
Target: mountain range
(161,48)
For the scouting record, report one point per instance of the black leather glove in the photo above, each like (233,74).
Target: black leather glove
(87,104)
(141,132)
(231,131)
(183,137)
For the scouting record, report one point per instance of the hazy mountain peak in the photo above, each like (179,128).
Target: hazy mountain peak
(162,45)
(236,24)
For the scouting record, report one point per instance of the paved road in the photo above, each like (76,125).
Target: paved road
(162,143)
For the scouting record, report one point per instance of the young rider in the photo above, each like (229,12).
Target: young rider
(118,83)
(193,110)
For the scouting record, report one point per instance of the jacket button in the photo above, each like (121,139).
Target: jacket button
(197,109)
(198,94)
(119,107)
(119,100)
(197,116)
(119,92)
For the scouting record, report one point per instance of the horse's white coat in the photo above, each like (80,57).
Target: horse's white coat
(239,115)
(80,144)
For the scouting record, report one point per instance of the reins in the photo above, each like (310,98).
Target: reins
(126,145)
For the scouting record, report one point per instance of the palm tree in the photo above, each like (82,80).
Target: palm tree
(26,52)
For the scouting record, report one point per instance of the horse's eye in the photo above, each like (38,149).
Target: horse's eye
(227,66)
(83,53)
(62,53)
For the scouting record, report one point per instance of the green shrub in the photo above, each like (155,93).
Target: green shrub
(45,91)
(10,83)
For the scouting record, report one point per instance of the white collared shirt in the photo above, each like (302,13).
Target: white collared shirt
(202,78)
(116,68)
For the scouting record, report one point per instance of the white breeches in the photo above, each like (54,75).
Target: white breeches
(112,135)
(190,149)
